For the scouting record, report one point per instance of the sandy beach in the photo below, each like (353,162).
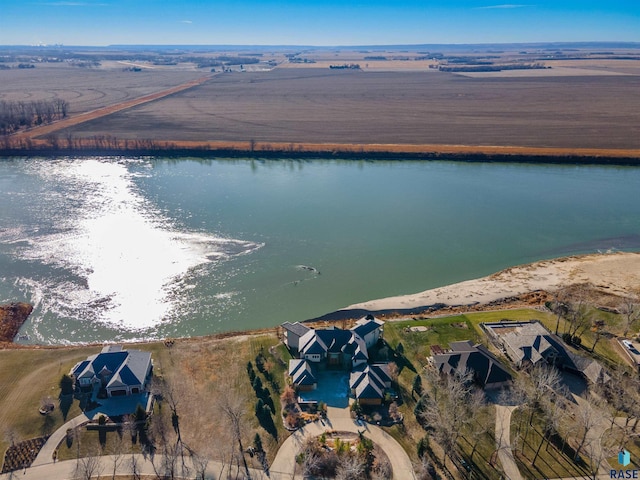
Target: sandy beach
(612,273)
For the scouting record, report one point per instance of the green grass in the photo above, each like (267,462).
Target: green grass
(417,345)
(27,376)
(444,330)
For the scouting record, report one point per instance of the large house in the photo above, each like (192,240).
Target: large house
(119,372)
(530,343)
(337,348)
(487,370)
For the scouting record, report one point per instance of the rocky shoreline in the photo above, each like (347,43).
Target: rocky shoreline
(12,317)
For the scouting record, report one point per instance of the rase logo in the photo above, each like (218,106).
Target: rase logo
(624,459)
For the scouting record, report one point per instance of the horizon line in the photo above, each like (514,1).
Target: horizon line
(382,45)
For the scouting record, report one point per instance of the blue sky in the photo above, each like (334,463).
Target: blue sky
(314,22)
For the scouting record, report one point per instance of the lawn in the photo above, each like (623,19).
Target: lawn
(553,461)
(416,347)
(444,330)
(196,368)
(26,377)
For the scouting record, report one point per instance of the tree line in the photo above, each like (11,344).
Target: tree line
(17,115)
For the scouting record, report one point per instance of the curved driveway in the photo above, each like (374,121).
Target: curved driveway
(339,420)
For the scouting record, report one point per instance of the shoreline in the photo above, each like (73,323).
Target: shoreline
(612,275)
(111,146)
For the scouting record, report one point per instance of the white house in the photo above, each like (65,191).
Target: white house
(292,334)
(369,329)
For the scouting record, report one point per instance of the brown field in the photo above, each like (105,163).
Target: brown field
(355,107)
(87,88)
(586,104)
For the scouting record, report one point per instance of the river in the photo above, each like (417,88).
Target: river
(119,249)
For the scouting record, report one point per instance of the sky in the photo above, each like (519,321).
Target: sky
(314,22)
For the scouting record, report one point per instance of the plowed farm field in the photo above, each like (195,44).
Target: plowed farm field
(407,108)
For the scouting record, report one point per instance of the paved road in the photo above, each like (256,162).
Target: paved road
(339,419)
(503,442)
(68,470)
(283,467)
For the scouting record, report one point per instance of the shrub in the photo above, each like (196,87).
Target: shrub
(257,442)
(66,385)
(422,446)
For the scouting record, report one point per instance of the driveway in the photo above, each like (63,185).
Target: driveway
(503,442)
(284,465)
(109,407)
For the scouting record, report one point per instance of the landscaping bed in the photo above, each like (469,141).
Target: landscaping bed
(21,455)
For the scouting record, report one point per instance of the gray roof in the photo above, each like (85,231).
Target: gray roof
(486,368)
(297,328)
(368,391)
(334,340)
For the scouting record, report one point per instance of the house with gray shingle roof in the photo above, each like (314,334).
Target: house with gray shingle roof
(292,334)
(337,348)
(530,343)
(369,329)
(487,370)
(119,372)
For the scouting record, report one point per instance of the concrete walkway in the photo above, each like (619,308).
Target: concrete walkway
(340,420)
(45,455)
(503,442)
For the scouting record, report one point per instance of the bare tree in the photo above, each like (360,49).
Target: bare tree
(116,457)
(630,311)
(89,467)
(134,465)
(598,330)
(586,419)
(543,381)
(579,311)
(445,407)
(350,467)
(480,423)
(200,463)
(232,405)
(553,412)
(559,305)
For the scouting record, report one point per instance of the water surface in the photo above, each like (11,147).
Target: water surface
(123,249)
